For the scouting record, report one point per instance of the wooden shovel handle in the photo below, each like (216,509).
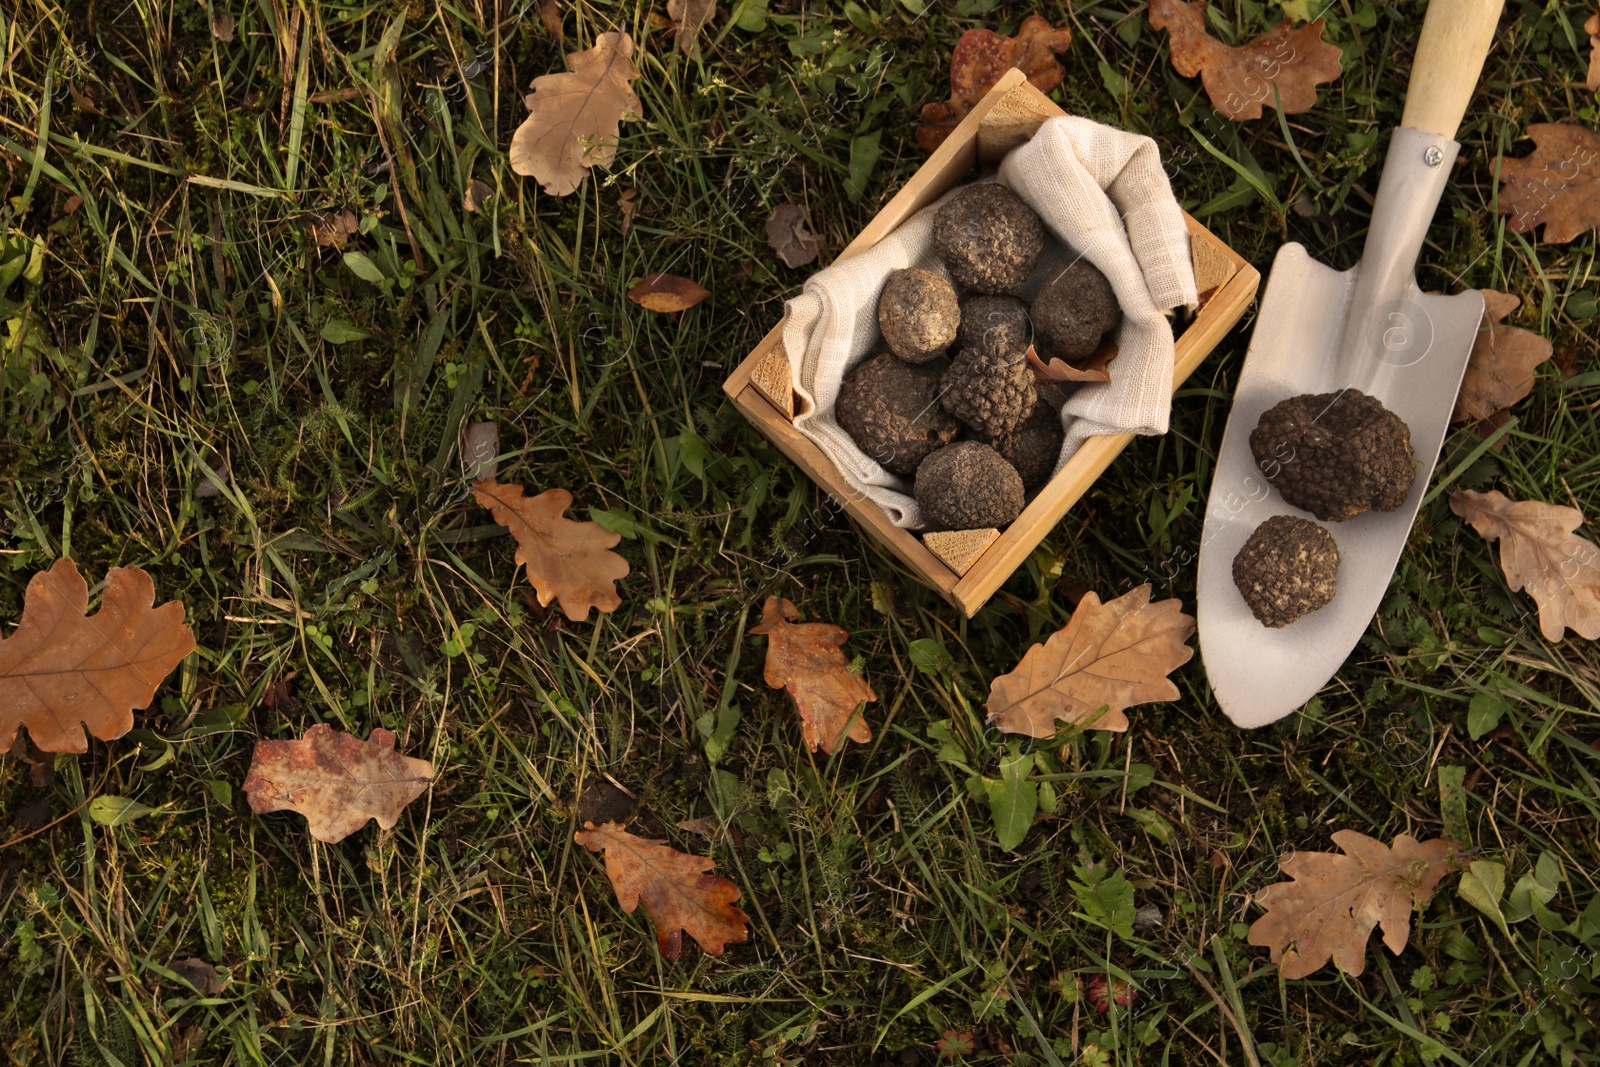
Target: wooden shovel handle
(1456,35)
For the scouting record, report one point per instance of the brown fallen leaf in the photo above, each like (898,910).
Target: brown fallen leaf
(1239,80)
(805,659)
(565,560)
(980,57)
(1108,657)
(1500,372)
(200,974)
(789,237)
(222,25)
(1540,552)
(678,892)
(667,293)
(574,117)
(1092,369)
(689,17)
(1591,26)
(1554,185)
(550,16)
(62,670)
(333,228)
(477,195)
(336,780)
(1330,908)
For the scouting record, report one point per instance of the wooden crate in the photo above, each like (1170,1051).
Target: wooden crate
(981,562)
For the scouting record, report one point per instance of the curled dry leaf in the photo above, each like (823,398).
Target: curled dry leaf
(667,292)
(688,18)
(805,659)
(1092,369)
(574,118)
(62,670)
(550,16)
(626,203)
(476,196)
(1281,68)
(980,57)
(1107,658)
(333,228)
(678,892)
(1554,185)
(1500,372)
(336,780)
(1330,908)
(1540,552)
(565,560)
(789,237)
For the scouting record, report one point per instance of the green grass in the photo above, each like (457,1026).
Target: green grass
(178,327)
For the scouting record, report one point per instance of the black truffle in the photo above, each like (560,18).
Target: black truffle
(891,410)
(1335,454)
(1075,308)
(994,324)
(918,314)
(1289,567)
(988,238)
(992,392)
(1035,446)
(967,486)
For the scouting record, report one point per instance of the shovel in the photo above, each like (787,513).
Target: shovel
(1319,331)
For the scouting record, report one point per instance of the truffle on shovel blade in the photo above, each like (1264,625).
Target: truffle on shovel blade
(992,392)
(1335,454)
(1288,567)
(988,238)
(891,410)
(1073,310)
(918,314)
(994,324)
(967,486)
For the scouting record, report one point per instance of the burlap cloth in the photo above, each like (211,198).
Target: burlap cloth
(1103,195)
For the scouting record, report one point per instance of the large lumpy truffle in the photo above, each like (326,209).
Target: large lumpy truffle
(1289,567)
(1034,447)
(992,392)
(968,486)
(918,314)
(891,410)
(994,324)
(1073,310)
(1335,454)
(988,238)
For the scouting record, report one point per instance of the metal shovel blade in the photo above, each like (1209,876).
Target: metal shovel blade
(1320,331)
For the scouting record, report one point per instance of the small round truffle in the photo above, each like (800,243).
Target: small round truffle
(1035,446)
(1289,567)
(918,314)
(994,324)
(1074,309)
(967,486)
(891,410)
(1335,454)
(988,238)
(992,392)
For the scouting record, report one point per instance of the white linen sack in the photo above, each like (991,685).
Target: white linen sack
(1103,195)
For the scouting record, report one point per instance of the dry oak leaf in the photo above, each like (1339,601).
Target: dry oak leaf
(805,659)
(1540,552)
(689,17)
(1330,908)
(667,293)
(1092,369)
(332,229)
(980,57)
(1591,26)
(574,117)
(62,670)
(678,892)
(336,780)
(1239,80)
(565,560)
(789,237)
(1554,185)
(1108,657)
(1500,372)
